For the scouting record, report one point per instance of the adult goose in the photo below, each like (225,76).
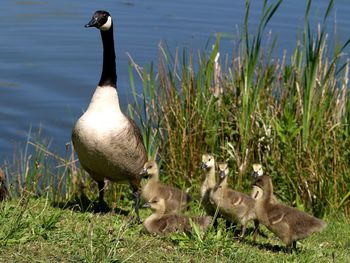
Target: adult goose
(108,143)
(4,193)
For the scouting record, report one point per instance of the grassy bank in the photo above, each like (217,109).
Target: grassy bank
(290,114)
(32,230)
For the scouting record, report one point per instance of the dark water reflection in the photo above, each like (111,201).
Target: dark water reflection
(50,64)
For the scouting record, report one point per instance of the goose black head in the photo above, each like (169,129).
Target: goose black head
(101,20)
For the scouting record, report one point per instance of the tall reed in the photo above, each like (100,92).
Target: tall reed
(290,115)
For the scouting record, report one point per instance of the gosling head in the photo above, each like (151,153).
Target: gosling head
(263,181)
(257,171)
(223,171)
(208,161)
(101,20)
(156,204)
(149,170)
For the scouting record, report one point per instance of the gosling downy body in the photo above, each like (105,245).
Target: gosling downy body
(4,193)
(208,164)
(288,223)
(108,143)
(160,223)
(233,206)
(257,191)
(175,199)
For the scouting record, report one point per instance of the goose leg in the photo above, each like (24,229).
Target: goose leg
(102,206)
(101,185)
(295,245)
(136,194)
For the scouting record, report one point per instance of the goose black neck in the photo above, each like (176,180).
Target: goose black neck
(108,76)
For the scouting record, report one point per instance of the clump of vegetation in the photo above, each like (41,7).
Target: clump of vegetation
(291,115)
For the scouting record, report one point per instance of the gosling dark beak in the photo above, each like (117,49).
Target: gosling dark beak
(222,175)
(144,173)
(93,23)
(146,205)
(203,165)
(255,175)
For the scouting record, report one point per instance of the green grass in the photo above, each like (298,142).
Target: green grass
(33,230)
(292,115)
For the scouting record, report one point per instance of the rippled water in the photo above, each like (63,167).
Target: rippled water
(50,64)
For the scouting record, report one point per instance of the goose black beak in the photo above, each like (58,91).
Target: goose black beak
(93,23)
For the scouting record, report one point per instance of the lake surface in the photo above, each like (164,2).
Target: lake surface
(50,64)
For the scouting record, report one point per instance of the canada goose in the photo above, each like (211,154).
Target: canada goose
(175,199)
(4,193)
(208,163)
(257,191)
(161,223)
(234,206)
(288,223)
(108,143)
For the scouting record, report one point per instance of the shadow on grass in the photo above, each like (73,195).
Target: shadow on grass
(266,246)
(81,203)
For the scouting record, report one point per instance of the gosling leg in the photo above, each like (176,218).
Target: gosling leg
(256,229)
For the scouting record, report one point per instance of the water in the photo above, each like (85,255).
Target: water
(50,64)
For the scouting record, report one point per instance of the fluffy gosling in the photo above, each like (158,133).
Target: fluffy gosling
(257,191)
(160,223)
(234,206)
(286,222)
(175,199)
(208,164)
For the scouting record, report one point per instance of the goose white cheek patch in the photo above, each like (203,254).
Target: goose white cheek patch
(106,26)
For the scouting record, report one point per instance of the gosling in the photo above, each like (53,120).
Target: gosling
(4,193)
(208,164)
(286,222)
(257,191)
(234,206)
(160,223)
(175,199)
